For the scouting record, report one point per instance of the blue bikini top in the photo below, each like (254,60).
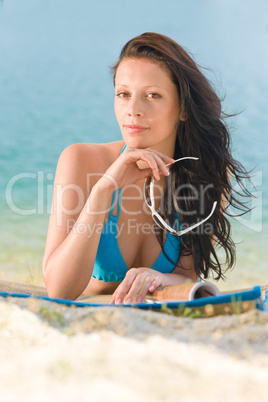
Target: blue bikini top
(110,265)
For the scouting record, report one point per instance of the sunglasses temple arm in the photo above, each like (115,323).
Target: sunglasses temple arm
(169,228)
(151,192)
(181,159)
(182,232)
(152,208)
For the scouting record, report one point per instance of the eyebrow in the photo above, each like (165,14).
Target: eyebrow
(147,86)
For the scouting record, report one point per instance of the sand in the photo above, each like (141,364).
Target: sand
(50,352)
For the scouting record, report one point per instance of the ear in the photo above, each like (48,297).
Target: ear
(183,115)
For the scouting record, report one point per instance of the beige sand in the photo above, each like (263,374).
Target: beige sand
(50,352)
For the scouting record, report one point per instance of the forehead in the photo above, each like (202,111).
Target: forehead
(146,71)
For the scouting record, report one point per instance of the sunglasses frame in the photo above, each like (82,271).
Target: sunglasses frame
(155,214)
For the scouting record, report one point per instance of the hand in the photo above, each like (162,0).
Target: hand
(125,169)
(136,284)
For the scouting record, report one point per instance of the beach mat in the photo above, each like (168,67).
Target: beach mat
(226,303)
(22,288)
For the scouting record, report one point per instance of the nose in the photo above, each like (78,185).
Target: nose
(135,107)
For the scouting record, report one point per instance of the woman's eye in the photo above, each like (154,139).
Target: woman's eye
(153,95)
(122,95)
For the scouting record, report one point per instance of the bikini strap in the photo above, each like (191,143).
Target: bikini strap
(119,197)
(112,205)
(118,204)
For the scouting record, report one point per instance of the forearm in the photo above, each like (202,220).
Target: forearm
(140,281)
(68,269)
(175,279)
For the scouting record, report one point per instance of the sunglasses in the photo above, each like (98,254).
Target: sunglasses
(150,202)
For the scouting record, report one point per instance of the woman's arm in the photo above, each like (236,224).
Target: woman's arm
(72,242)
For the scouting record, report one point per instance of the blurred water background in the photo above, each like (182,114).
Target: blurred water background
(56,89)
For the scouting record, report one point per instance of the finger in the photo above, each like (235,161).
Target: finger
(135,153)
(164,157)
(136,288)
(156,164)
(161,165)
(155,284)
(118,295)
(144,173)
(125,286)
(152,162)
(113,297)
(144,290)
(153,159)
(145,156)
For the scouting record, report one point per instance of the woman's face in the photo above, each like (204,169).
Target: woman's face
(146,104)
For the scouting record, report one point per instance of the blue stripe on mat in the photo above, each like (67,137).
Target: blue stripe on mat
(246,295)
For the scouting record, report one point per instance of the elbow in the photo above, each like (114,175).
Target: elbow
(56,289)
(58,294)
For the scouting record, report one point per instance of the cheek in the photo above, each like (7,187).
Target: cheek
(118,112)
(175,111)
(170,116)
(175,117)
(169,121)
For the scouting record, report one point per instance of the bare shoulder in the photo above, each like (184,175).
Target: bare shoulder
(91,157)
(81,165)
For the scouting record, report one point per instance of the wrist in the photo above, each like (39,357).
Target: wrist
(106,184)
(100,198)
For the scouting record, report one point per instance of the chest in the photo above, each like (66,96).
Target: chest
(128,240)
(136,236)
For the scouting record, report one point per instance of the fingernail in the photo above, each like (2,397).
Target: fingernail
(167,171)
(128,301)
(118,301)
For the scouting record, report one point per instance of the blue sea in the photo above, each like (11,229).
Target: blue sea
(56,89)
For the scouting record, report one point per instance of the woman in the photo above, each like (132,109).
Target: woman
(109,234)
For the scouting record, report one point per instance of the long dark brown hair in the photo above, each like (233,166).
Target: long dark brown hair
(202,132)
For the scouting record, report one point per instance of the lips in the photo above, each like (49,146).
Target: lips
(134,128)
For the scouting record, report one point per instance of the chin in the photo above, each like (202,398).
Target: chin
(136,143)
